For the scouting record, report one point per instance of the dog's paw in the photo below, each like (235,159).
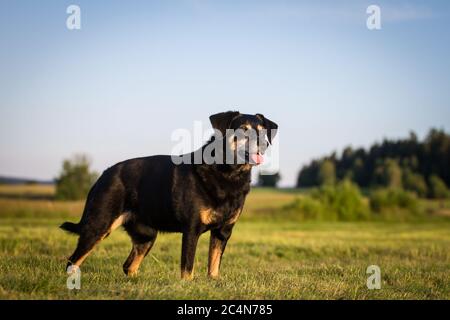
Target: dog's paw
(187,276)
(129,272)
(213,276)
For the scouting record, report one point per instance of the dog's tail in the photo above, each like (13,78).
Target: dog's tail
(71,227)
(76,227)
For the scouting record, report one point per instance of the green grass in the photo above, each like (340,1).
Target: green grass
(265,259)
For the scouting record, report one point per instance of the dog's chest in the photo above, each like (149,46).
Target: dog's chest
(210,216)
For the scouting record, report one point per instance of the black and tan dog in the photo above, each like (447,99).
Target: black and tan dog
(151,194)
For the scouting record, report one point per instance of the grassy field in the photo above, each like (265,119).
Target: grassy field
(265,259)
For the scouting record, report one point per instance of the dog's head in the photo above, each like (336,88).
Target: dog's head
(245,134)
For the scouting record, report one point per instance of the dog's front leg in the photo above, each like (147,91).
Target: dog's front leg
(188,247)
(217,244)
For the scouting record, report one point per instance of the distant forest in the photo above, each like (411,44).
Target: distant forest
(419,166)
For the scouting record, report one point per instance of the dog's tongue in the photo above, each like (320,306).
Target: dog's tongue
(257,158)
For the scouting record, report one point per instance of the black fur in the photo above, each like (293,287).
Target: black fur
(70,227)
(157,195)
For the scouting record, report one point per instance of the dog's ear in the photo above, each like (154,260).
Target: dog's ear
(270,126)
(221,121)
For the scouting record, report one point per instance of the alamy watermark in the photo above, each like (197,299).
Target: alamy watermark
(238,146)
(374,280)
(373,22)
(74,279)
(73,21)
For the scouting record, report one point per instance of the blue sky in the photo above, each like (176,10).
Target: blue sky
(137,70)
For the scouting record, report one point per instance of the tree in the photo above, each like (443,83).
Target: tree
(327,173)
(437,155)
(388,174)
(393,174)
(308,175)
(438,189)
(75,179)
(414,182)
(268,180)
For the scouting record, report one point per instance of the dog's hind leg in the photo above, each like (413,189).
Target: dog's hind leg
(91,234)
(85,245)
(103,212)
(143,238)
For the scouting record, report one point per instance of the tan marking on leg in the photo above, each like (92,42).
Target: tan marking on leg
(137,254)
(215,255)
(234,217)
(82,258)
(134,266)
(119,221)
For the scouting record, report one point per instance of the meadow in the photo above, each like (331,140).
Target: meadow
(270,256)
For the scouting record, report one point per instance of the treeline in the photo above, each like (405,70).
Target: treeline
(419,166)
